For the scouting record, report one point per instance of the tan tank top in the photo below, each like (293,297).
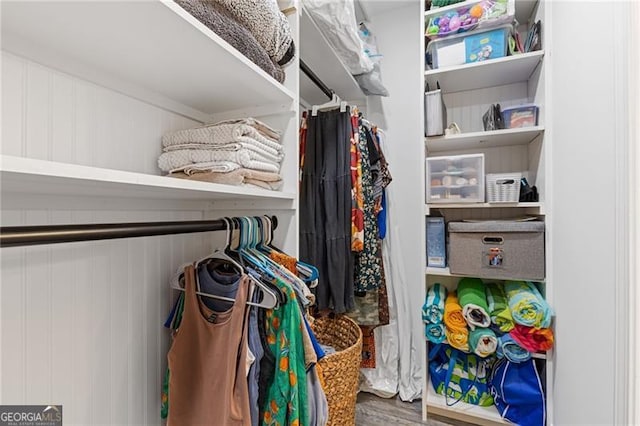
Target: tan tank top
(207,372)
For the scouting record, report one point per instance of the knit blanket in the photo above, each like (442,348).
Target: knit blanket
(169,161)
(219,20)
(483,342)
(264,129)
(222,134)
(472,298)
(265,180)
(499,307)
(527,305)
(268,25)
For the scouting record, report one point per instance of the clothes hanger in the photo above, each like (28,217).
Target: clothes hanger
(333,103)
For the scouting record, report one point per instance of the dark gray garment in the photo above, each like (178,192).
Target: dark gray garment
(214,282)
(255,346)
(325,208)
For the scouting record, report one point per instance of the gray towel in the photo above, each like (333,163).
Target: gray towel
(220,21)
(267,24)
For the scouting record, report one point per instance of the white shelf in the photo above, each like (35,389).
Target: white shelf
(318,54)
(154,45)
(494,72)
(446,272)
(39,177)
(481,140)
(437,404)
(436,206)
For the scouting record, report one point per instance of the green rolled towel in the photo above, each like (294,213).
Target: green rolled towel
(483,342)
(499,307)
(472,298)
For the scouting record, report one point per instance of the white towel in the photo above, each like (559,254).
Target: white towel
(213,166)
(248,159)
(243,143)
(476,316)
(219,134)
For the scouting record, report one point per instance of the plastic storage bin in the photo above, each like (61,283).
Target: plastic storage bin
(455,179)
(497,249)
(520,116)
(503,187)
(474,46)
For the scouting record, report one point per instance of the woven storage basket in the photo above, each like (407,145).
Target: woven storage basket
(341,370)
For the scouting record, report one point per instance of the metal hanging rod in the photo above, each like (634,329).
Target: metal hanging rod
(315,79)
(15,236)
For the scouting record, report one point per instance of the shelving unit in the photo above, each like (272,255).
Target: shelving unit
(468,90)
(495,72)
(481,140)
(320,56)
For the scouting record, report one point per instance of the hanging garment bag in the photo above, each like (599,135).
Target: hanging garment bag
(207,370)
(435,113)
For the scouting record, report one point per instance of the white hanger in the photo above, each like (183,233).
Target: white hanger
(333,103)
(269,299)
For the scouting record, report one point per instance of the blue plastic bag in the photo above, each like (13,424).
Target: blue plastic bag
(517,392)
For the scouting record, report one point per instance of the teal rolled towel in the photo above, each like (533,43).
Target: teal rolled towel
(435,333)
(483,342)
(433,308)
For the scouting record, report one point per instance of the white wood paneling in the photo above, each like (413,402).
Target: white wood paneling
(49,115)
(82,323)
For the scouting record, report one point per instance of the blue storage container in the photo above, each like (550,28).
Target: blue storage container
(487,45)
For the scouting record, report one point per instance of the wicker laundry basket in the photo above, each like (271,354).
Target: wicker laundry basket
(340,371)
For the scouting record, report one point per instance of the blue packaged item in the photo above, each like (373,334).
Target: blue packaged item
(436,248)
(486,45)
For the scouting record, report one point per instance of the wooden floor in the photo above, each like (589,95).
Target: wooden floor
(372,410)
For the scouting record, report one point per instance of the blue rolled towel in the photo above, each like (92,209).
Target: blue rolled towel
(527,305)
(433,308)
(510,349)
(435,333)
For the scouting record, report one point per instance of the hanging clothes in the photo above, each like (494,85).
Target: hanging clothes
(325,208)
(208,353)
(357,198)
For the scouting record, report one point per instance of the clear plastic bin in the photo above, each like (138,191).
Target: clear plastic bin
(474,46)
(455,179)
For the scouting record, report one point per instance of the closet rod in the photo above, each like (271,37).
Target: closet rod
(15,236)
(315,79)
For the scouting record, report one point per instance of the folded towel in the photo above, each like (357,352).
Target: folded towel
(213,166)
(433,309)
(265,180)
(527,305)
(251,145)
(533,339)
(220,134)
(435,333)
(263,128)
(510,349)
(483,342)
(268,25)
(224,24)
(499,307)
(472,298)
(248,159)
(455,324)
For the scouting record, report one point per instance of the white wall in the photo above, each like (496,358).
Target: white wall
(398,32)
(585,211)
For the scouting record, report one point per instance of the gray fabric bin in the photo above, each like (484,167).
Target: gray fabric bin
(497,249)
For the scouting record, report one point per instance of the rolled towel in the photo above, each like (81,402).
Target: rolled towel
(527,305)
(510,349)
(458,338)
(433,309)
(499,307)
(435,333)
(455,325)
(533,339)
(473,300)
(483,342)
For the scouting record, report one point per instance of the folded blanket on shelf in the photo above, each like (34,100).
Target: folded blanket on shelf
(499,307)
(510,349)
(435,333)
(533,339)
(472,298)
(268,25)
(527,305)
(455,324)
(213,166)
(234,146)
(220,134)
(265,180)
(169,161)
(263,128)
(433,309)
(483,342)
(219,20)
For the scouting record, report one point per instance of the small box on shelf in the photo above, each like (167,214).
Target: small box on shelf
(455,178)
(436,242)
